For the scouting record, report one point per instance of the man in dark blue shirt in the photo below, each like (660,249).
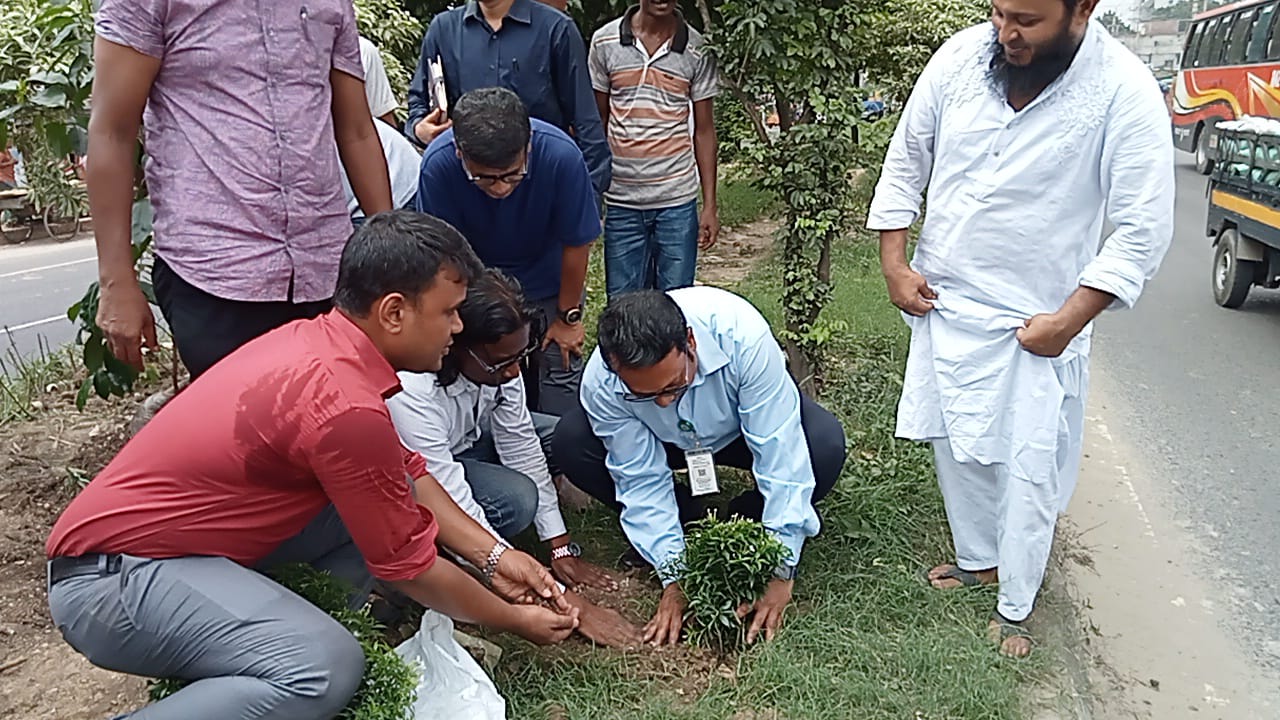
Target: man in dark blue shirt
(519,192)
(525,46)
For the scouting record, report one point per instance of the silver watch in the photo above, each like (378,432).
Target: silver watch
(786,572)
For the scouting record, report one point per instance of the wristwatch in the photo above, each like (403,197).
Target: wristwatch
(572,316)
(566,551)
(786,572)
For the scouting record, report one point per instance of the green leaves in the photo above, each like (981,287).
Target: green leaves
(106,375)
(724,565)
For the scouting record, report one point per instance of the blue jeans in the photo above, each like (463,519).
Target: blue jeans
(509,498)
(650,249)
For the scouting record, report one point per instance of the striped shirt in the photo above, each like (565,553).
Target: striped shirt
(650,101)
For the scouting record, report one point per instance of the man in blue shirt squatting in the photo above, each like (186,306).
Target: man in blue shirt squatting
(528,47)
(694,378)
(519,192)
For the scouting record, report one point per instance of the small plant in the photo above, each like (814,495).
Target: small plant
(724,565)
(390,685)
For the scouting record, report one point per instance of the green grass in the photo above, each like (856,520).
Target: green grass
(25,380)
(740,202)
(867,639)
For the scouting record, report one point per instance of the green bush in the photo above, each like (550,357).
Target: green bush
(390,684)
(724,565)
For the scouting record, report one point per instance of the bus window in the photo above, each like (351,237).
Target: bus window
(1211,45)
(1237,38)
(1193,44)
(1261,32)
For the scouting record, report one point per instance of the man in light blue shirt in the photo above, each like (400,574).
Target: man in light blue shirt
(694,378)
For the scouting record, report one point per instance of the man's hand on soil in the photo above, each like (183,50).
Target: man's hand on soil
(573,571)
(541,625)
(602,625)
(664,628)
(769,609)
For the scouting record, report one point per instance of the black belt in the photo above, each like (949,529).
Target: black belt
(61,568)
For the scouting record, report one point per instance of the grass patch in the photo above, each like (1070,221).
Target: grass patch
(26,381)
(866,639)
(741,202)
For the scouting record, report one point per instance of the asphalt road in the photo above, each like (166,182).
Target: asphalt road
(1200,386)
(38,282)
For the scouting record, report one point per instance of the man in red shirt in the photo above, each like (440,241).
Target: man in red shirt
(285,452)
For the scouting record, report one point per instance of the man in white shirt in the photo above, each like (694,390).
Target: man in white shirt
(1028,131)
(472,425)
(377,88)
(403,161)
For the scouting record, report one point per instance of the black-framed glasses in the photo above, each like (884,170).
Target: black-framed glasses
(675,393)
(511,178)
(498,368)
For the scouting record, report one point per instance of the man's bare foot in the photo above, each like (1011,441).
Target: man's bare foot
(1013,638)
(602,625)
(949,577)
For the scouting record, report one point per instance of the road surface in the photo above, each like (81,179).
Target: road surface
(1199,384)
(38,282)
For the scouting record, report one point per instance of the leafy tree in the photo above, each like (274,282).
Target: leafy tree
(46,71)
(398,35)
(803,59)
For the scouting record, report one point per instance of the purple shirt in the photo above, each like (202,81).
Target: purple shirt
(239,132)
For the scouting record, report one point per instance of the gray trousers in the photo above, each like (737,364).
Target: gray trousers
(250,648)
(556,391)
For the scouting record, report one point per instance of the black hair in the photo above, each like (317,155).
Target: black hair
(494,308)
(640,328)
(400,251)
(491,127)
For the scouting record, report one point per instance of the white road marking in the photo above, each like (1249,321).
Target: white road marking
(42,268)
(34,323)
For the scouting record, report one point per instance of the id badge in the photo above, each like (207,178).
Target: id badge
(702,472)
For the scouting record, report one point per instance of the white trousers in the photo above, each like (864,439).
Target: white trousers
(1000,520)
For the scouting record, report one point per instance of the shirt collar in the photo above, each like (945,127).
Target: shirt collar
(626,36)
(711,359)
(520,12)
(371,362)
(461,386)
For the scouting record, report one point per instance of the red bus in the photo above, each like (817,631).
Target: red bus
(1230,68)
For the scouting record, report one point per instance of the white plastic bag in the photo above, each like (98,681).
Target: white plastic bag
(452,685)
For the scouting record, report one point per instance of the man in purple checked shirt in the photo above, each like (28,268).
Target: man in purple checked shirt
(242,102)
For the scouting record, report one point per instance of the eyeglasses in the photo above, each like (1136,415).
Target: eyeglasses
(675,393)
(510,178)
(497,369)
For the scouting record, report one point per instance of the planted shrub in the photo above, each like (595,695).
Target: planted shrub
(390,684)
(724,565)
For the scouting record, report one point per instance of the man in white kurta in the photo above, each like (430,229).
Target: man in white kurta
(1008,272)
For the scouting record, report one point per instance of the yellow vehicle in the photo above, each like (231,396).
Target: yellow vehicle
(1244,209)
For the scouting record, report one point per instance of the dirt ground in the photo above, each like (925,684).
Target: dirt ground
(1144,631)
(40,463)
(736,252)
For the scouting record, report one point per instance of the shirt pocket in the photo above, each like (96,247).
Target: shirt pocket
(319,31)
(530,78)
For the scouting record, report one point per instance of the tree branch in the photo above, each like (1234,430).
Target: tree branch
(753,110)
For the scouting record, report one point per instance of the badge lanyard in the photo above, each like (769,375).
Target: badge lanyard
(702,467)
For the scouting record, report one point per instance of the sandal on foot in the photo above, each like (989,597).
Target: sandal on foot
(964,577)
(1008,630)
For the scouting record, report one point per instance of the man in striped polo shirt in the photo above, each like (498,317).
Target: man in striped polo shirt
(648,68)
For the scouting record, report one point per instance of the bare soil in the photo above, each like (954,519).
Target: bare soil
(41,461)
(736,252)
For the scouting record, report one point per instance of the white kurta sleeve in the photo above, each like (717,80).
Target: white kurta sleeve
(909,160)
(1137,176)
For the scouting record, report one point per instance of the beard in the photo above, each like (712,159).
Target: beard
(1048,63)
